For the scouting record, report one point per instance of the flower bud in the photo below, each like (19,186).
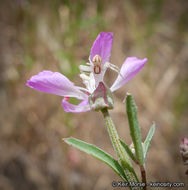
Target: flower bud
(101,98)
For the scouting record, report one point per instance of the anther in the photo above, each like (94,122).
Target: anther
(97,59)
(97,64)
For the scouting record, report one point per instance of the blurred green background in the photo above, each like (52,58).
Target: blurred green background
(57,35)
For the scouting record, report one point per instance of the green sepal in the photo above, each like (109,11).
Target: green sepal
(101,98)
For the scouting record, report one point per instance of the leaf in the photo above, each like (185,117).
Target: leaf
(97,153)
(128,150)
(148,139)
(134,128)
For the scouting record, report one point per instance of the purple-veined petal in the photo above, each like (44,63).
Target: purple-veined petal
(81,107)
(129,69)
(55,83)
(102,46)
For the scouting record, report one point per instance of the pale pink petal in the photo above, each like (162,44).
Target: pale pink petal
(129,69)
(102,46)
(55,83)
(82,107)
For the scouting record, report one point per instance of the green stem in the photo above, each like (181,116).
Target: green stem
(121,153)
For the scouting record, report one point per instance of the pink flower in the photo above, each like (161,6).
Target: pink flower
(92,74)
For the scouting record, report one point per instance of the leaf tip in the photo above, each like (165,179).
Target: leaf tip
(153,125)
(128,94)
(64,139)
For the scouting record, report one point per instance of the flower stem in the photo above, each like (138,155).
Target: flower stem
(120,151)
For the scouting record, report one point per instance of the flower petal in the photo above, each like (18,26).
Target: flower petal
(102,46)
(129,69)
(82,107)
(55,83)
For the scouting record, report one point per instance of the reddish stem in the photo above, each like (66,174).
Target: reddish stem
(143,174)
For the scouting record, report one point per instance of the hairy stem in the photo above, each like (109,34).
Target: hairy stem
(120,151)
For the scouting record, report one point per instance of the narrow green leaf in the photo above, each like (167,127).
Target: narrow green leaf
(134,128)
(97,153)
(128,150)
(148,139)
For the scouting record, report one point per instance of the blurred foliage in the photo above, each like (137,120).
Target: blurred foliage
(57,35)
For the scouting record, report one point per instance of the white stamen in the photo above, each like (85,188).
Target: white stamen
(113,67)
(85,68)
(89,81)
(84,77)
(90,64)
(93,72)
